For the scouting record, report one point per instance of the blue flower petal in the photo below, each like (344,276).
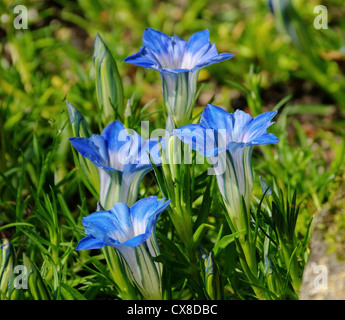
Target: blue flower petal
(116,139)
(137,153)
(216,118)
(179,47)
(258,126)
(201,53)
(139,161)
(230,131)
(160,52)
(208,61)
(266,138)
(122,226)
(198,45)
(118,149)
(111,135)
(169,70)
(241,122)
(88,149)
(120,215)
(144,58)
(89,242)
(175,55)
(112,224)
(99,225)
(152,147)
(137,240)
(155,40)
(145,212)
(222,57)
(160,45)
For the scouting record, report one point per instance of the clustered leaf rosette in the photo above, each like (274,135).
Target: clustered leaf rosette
(228,140)
(122,159)
(132,232)
(178,63)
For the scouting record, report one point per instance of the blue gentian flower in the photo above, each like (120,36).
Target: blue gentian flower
(131,231)
(228,139)
(178,63)
(122,161)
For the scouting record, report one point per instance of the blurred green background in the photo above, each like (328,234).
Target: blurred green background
(282,63)
(52,60)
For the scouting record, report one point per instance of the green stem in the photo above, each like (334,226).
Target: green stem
(151,286)
(292,264)
(246,251)
(118,274)
(252,278)
(179,189)
(182,225)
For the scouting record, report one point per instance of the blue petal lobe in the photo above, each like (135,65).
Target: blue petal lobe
(198,45)
(120,215)
(175,55)
(258,126)
(137,240)
(145,212)
(116,138)
(267,138)
(216,118)
(160,45)
(88,149)
(144,58)
(241,121)
(89,242)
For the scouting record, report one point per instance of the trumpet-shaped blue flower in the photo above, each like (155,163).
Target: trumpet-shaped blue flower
(131,231)
(228,139)
(178,63)
(122,161)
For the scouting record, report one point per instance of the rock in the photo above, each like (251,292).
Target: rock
(324,274)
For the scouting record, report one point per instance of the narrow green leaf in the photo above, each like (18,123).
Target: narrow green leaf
(225,241)
(206,203)
(16,224)
(199,234)
(36,285)
(70,293)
